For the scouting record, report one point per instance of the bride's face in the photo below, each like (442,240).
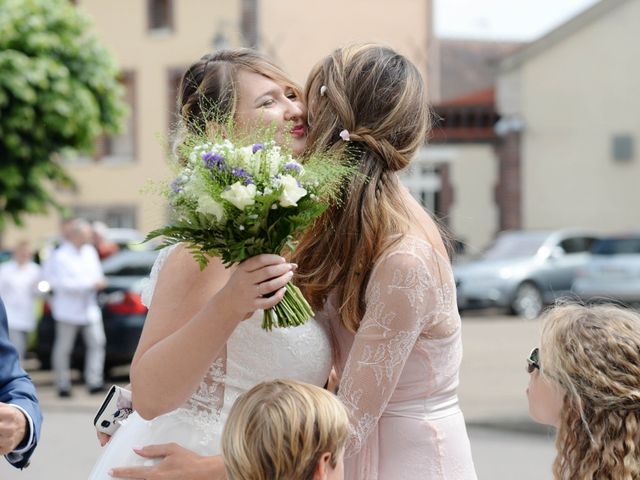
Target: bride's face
(263,102)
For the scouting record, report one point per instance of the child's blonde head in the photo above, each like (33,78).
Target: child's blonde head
(280,429)
(594,353)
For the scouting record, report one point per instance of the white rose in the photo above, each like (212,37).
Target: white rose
(208,206)
(291,192)
(240,195)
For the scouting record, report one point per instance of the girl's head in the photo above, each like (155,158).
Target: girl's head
(377,96)
(285,430)
(592,356)
(243,86)
(369,102)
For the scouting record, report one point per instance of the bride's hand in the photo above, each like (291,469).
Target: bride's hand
(257,284)
(173,461)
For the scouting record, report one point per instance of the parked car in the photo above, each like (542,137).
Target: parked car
(123,313)
(523,270)
(613,271)
(5,255)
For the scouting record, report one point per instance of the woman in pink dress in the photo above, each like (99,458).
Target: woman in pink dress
(377,268)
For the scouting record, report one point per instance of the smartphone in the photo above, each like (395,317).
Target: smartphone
(115,408)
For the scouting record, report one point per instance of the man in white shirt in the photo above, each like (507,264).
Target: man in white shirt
(75,275)
(19,279)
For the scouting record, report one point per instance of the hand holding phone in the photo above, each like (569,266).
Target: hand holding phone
(115,408)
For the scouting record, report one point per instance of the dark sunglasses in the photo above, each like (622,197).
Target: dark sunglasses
(533,360)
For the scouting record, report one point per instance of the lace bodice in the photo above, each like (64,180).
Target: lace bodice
(408,344)
(251,356)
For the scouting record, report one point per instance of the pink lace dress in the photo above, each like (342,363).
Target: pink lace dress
(399,372)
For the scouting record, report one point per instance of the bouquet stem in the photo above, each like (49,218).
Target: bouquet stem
(292,311)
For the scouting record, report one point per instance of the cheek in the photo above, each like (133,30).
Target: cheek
(545,401)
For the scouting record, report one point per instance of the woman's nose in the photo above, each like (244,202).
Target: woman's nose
(294,110)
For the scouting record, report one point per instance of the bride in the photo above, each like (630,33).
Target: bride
(196,354)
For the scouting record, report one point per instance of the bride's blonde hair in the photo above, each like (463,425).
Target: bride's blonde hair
(594,353)
(378,97)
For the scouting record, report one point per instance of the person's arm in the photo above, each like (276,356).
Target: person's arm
(397,309)
(191,317)
(20,415)
(174,462)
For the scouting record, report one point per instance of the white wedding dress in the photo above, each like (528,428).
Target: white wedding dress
(251,356)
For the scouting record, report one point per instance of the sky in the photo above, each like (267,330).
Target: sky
(503,19)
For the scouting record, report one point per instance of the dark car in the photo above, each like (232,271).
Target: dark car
(123,313)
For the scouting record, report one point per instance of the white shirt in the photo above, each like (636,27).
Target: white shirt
(72,274)
(18,289)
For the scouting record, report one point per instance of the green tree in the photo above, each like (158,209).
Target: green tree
(59,90)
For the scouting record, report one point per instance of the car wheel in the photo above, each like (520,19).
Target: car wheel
(527,301)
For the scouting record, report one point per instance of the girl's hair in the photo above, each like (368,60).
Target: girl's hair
(594,353)
(209,88)
(378,96)
(278,430)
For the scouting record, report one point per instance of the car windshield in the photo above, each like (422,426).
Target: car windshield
(515,245)
(613,246)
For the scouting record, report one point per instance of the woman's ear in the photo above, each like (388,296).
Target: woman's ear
(323,467)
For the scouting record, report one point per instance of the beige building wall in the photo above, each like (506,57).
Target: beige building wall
(294,34)
(473,174)
(298,37)
(573,98)
(114,182)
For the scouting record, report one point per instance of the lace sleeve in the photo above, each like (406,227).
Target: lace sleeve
(398,303)
(149,284)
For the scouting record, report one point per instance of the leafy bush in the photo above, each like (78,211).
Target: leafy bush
(59,90)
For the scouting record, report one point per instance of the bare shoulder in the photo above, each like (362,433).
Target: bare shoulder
(181,291)
(181,272)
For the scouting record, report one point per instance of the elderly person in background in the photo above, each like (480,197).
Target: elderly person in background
(19,279)
(75,275)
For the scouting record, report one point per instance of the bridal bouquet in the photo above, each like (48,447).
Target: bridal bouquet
(236,199)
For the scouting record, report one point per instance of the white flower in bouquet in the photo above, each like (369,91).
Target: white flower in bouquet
(239,195)
(208,206)
(291,191)
(236,200)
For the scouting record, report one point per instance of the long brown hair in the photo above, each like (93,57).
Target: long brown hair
(209,88)
(594,353)
(378,97)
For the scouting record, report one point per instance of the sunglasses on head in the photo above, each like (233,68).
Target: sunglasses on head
(533,360)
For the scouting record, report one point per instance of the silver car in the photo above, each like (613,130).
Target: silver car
(523,270)
(613,272)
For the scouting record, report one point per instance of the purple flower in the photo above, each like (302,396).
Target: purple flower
(241,173)
(175,186)
(256,147)
(292,166)
(213,160)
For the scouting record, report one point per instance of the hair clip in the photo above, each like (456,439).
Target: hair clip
(323,90)
(344,135)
